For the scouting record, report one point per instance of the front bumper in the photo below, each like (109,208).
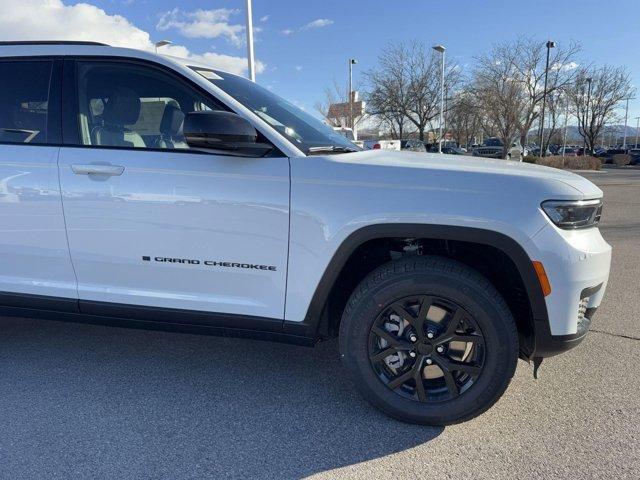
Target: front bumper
(548,345)
(577,263)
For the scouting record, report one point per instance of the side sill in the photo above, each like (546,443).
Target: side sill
(149,318)
(253,334)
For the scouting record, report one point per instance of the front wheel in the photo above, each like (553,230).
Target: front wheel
(429,340)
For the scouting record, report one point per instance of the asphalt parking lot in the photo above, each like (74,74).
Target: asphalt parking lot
(80,401)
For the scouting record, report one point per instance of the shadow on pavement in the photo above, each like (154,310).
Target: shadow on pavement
(82,401)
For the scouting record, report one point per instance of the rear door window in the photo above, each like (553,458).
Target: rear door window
(24,101)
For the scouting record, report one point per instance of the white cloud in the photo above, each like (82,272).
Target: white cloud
(265,18)
(203,24)
(564,66)
(319,23)
(55,20)
(298,68)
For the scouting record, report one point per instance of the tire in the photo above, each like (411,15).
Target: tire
(463,298)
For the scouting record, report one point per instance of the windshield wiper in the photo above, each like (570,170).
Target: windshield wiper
(330,149)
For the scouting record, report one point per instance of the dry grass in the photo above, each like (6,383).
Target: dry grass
(622,159)
(567,163)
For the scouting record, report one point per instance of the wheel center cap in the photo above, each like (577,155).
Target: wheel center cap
(425,348)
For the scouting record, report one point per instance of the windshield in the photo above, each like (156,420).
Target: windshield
(302,129)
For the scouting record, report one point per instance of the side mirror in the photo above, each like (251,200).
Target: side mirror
(223,131)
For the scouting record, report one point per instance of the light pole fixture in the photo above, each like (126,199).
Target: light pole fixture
(250,54)
(550,45)
(352,62)
(441,49)
(162,43)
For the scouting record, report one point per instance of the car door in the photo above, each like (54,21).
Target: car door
(154,223)
(34,254)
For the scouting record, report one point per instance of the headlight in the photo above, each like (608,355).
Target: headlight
(570,214)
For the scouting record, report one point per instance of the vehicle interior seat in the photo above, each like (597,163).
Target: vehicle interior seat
(121,109)
(171,135)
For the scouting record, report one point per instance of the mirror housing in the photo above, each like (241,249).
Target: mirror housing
(224,132)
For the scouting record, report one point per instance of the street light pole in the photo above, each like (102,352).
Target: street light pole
(550,45)
(250,54)
(161,43)
(566,119)
(441,49)
(352,62)
(626,115)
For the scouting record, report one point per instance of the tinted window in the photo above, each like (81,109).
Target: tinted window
(129,105)
(301,128)
(24,97)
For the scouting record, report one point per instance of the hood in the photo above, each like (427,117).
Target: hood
(503,172)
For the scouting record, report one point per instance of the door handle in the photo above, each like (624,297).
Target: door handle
(110,170)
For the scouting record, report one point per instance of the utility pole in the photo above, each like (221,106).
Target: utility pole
(441,49)
(250,55)
(352,62)
(637,131)
(550,45)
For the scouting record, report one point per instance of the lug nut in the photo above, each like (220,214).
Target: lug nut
(430,335)
(429,361)
(412,354)
(440,349)
(413,338)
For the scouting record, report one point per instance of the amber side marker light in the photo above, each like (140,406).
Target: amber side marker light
(542,278)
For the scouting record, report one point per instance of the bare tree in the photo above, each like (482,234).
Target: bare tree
(464,117)
(556,108)
(405,86)
(389,85)
(528,58)
(501,98)
(595,95)
(425,77)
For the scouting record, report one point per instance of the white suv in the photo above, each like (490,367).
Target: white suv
(152,191)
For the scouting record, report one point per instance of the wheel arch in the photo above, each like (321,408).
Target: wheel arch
(316,321)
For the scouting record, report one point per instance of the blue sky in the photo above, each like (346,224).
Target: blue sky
(302,58)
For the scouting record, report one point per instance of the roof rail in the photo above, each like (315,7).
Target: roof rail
(52,42)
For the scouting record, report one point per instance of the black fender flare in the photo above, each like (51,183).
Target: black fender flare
(506,244)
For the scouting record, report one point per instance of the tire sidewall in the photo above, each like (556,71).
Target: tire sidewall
(500,346)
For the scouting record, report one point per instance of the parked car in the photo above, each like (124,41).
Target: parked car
(607,156)
(412,145)
(599,152)
(493,148)
(635,156)
(448,150)
(224,200)
(381,144)
(535,151)
(567,152)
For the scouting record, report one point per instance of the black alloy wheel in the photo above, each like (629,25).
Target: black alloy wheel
(429,340)
(426,348)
